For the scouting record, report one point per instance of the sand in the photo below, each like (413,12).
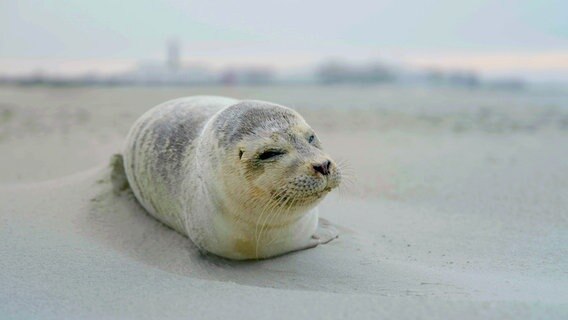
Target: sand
(450,211)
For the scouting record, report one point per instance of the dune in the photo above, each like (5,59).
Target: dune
(435,222)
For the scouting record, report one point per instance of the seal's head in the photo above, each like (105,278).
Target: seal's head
(272,159)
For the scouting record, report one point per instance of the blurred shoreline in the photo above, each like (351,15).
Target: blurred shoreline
(174,72)
(93,121)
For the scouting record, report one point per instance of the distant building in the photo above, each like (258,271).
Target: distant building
(458,78)
(173,72)
(512,84)
(336,72)
(464,79)
(248,76)
(170,73)
(173,55)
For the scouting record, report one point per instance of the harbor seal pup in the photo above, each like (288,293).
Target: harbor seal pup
(241,179)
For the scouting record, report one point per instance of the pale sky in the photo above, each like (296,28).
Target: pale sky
(527,38)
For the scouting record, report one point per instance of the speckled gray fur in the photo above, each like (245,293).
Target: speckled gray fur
(169,130)
(245,117)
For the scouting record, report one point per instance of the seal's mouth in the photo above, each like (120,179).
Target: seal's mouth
(305,190)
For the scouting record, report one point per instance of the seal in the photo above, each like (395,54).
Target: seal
(241,179)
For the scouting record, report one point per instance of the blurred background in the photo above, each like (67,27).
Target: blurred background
(488,43)
(76,74)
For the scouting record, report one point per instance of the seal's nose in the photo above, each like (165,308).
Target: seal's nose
(323,167)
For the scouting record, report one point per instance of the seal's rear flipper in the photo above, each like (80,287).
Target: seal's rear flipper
(117,174)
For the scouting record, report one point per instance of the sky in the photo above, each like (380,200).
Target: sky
(496,38)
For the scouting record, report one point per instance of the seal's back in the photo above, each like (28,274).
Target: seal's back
(156,147)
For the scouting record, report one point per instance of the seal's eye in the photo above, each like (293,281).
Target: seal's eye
(268,154)
(311,138)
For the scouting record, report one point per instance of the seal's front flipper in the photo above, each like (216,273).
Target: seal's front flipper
(117,174)
(326,232)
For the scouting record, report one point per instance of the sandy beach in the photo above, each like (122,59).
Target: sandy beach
(454,206)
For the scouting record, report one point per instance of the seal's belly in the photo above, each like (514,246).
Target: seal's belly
(158,145)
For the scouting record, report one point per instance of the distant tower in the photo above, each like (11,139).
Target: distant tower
(173,58)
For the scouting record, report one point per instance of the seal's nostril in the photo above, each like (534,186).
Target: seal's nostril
(323,167)
(327,165)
